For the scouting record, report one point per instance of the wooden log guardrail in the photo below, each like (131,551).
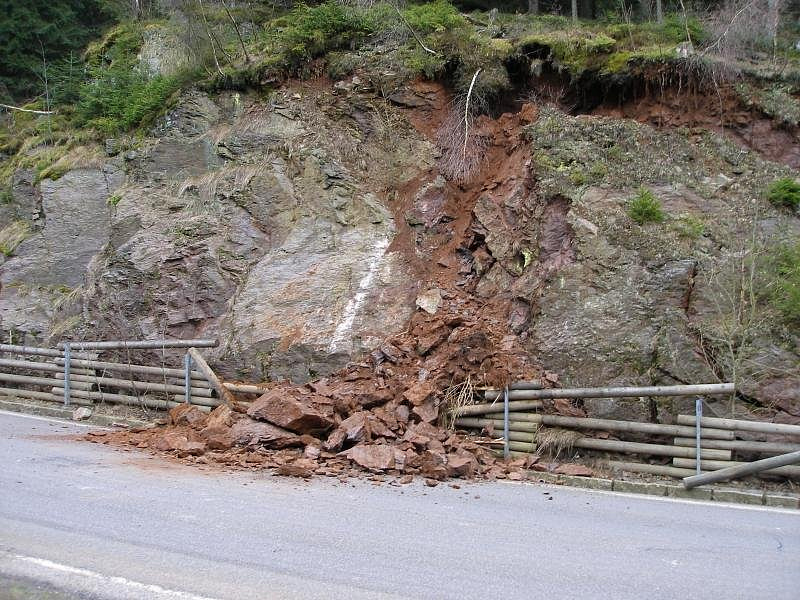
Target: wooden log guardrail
(715,434)
(97,365)
(92,380)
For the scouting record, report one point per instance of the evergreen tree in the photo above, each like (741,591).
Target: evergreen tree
(36,32)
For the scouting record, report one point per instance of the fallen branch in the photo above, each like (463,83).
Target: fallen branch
(238,33)
(414,33)
(466,113)
(28,110)
(724,32)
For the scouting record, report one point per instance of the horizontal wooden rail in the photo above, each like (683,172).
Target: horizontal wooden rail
(741,445)
(146,401)
(144,386)
(619,392)
(44,381)
(482,409)
(635,467)
(497,424)
(742,425)
(141,344)
(524,441)
(38,395)
(614,425)
(130,368)
(34,351)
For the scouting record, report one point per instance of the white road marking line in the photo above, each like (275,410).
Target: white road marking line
(11,413)
(119,581)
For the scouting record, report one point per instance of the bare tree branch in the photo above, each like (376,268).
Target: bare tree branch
(28,110)
(467,113)
(211,38)
(236,28)
(411,29)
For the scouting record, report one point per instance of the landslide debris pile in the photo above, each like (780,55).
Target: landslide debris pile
(378,416)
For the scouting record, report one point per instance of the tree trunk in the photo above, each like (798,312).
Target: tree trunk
(659,11)
(533,7)
(575,11)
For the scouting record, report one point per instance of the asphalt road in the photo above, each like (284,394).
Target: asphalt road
(80,520)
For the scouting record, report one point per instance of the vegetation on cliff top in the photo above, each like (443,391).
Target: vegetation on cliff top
(107,89)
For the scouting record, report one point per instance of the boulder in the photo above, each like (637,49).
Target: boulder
(461,464)
(335,440)
(401,412)
(302,467)
(373,398)
(247,432)
(419,392)
(430,300)
(428,342)
(218,438)
(425,430)
(290,412)
(378,428)
(81,413)
(375,458)
(191,449)
(186,414)
(575,469)
(434,464)
(180,443)
(355,428)
(169,441)
(427,412)
(221,416)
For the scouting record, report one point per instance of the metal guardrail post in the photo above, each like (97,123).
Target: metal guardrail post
(67,356)
(187,365)
(698,417)
(505,423)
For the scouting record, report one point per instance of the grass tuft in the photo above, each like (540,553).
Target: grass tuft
(12,235)
(784,192)
(785,290)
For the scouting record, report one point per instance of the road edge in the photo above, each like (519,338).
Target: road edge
(672,490)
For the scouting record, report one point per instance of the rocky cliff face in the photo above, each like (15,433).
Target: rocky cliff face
(263,224)
(300,230)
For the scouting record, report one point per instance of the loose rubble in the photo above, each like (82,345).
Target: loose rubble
(376,417)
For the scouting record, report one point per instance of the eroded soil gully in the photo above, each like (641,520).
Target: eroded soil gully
(665,98)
